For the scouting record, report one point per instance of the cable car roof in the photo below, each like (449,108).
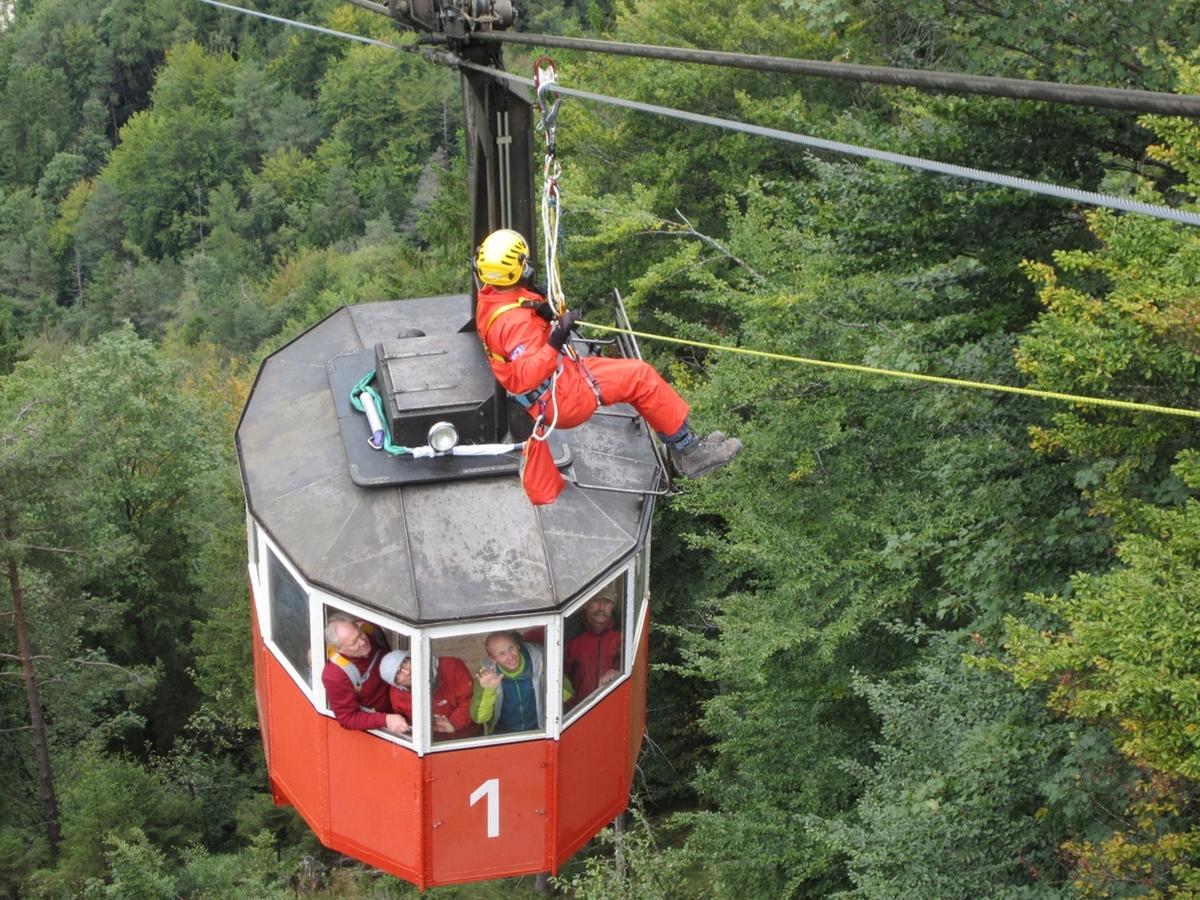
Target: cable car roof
(462,548)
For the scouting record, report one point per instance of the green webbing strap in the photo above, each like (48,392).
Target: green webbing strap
(364,387)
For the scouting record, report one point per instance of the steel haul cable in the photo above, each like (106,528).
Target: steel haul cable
(1091,198)
(1126,99)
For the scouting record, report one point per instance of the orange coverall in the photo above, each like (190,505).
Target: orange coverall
(523,363)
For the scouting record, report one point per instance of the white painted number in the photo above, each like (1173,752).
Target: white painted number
(491,790)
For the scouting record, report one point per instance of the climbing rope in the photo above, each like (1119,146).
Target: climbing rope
(544,80)
(911,376)
(545,76)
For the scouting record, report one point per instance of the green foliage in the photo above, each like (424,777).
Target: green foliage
(254,871)
(628,863)
(1130,652)
(105,795)
(807,741)
(975,786)
(139,870)
(1106,42)
(31,129)
(172,155)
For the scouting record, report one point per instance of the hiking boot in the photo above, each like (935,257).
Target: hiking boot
(704,455)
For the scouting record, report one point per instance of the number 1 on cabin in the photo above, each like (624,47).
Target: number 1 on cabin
(491,790)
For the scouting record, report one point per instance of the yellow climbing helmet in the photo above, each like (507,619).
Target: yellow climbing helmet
(502,257)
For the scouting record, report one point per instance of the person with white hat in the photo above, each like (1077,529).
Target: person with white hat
(450,692)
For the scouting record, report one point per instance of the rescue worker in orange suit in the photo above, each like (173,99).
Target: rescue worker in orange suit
(593,657)
(451,693)
(354,689)
(526,347)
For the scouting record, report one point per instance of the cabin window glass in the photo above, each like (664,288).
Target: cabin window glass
(289,617)
(453,666)
(594,645)
(508,674)
(384,674)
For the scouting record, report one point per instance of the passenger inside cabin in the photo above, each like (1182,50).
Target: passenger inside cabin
(593,657)
(510,689)
(354,687)
(451,687)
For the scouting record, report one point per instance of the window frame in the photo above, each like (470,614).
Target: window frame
(641,598)
(628,572)
(341,604)
(258,577)
(266,626)
(551,622)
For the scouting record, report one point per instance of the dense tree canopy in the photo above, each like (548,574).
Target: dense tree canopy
(916,641)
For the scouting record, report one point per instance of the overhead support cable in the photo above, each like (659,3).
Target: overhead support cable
(344,35)
(1090,198)
(1080,399)
(1126,99)
(380,8)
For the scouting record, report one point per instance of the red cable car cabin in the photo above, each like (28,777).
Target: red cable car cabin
(438,554)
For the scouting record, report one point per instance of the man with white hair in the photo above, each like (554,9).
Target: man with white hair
(354,689)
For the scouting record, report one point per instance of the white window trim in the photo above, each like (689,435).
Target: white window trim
(331,601)
(264,623)
(629,571)
(420,739)
(258,574)
(553,662)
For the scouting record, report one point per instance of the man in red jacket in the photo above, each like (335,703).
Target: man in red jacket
(525,351)
(354,689)
(593,657)
(451,693)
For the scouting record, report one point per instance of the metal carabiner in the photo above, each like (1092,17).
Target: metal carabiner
(545,76)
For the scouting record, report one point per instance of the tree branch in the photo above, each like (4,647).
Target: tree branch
(688,230)
(74,659)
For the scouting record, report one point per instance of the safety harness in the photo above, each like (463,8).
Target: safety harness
(357,677)
(527,399)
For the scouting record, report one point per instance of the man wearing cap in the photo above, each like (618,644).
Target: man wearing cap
(451,693)
(354,689)
(593,657)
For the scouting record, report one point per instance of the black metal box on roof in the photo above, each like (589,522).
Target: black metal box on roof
(436,378)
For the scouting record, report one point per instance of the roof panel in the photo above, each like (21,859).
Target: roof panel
(438,551)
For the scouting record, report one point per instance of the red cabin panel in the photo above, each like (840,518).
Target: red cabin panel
(375,801)
(455,815)
(299,765)
(593,781)
(489,811)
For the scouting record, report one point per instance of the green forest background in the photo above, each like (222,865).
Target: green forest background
(916,642)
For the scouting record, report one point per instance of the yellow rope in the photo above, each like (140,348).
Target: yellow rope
(912,376)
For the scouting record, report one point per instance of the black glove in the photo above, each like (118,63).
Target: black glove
(545,310)
(562,330)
